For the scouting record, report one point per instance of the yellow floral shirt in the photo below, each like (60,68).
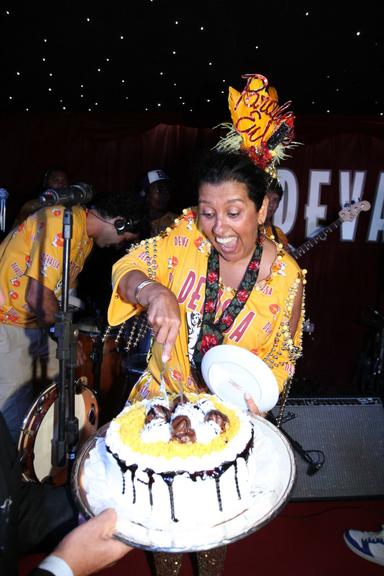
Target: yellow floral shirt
(35,250)
(178,259)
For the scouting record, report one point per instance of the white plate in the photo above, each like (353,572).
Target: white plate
(231,371)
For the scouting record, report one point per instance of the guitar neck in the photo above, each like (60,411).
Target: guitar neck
(311,242)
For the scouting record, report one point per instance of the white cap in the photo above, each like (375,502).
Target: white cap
(156,175)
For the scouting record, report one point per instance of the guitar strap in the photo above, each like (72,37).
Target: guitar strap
(274,232)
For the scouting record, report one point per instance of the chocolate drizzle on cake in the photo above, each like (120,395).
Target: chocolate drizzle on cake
(124,467)
(237,481)
(150,482)
(169,477)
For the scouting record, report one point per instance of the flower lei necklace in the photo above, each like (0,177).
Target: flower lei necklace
(211,332)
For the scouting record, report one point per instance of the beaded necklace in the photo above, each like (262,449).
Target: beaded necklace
(211,332)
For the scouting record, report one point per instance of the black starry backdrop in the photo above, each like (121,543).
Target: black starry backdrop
(180,57)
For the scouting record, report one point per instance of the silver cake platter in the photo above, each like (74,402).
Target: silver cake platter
(264,505)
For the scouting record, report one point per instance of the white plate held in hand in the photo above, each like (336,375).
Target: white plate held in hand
(231,371)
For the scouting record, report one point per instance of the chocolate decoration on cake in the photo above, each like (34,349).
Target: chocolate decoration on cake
(181,430)
(158,411)
(180,399)
(221,419)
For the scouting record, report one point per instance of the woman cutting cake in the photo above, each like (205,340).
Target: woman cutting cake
(213,278)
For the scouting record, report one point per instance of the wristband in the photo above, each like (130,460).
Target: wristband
(140,287)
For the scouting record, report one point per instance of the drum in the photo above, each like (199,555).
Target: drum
(35,441)
(103,369)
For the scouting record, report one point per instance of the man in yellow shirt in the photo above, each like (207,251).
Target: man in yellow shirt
(31,266)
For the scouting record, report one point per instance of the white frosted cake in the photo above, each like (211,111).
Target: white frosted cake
(179,463)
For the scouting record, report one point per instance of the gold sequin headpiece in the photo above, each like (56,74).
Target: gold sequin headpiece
(260,126)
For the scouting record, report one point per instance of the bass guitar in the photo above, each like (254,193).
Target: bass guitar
(347,214)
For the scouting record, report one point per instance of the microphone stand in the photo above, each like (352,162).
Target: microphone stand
(66,427)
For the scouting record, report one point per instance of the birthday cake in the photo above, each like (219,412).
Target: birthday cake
(178,461)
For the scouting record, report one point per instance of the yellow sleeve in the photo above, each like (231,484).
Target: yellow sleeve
(154,258)
(45,263)
(118,310)
(285,351)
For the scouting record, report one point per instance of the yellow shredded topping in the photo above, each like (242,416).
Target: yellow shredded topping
(132,424)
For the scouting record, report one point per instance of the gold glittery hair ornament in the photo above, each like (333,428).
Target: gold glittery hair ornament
(259,126)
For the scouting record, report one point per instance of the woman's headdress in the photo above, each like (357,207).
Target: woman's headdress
(260,127)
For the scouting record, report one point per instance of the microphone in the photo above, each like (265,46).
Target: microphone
(78,193)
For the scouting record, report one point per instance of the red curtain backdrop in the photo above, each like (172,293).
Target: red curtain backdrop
(345,278)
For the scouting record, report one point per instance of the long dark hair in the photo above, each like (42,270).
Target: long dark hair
(218,167)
